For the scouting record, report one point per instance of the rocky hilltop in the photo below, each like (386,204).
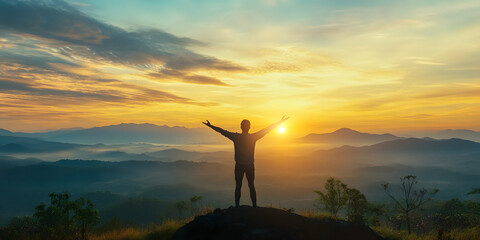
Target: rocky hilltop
(269,223)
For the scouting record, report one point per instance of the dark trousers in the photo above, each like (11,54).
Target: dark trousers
(249,170)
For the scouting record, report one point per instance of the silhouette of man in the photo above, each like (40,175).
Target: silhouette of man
(244,144)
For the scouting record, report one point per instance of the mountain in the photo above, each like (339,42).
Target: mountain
(13,144)
(4,132)
(451,133)
(122,156)
(347,136)
(8,161)
(425,145)
(129,133)
(448,153)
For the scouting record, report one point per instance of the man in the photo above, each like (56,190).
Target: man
(244,144)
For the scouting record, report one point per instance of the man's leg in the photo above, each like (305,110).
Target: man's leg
(239,170)
(250,172)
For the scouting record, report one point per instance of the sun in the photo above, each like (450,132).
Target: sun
(282,130)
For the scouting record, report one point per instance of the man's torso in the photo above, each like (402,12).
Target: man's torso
(244,147)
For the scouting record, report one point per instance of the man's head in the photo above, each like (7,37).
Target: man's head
(245,125)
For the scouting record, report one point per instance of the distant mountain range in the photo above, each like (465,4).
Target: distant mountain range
(126,133)
(14,144)
(347,136)
(450,133)
(453,154)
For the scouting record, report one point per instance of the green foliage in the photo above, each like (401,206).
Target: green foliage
(193,204)
(85,216)
(357,206)
(338,195)
(55,221)
(457,214)
(410,198)
(20,228)
(65,219)
(374,212)
(62,220)
(473,207)
(335,196)
(453,214)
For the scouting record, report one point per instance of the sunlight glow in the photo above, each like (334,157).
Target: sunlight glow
(282,130)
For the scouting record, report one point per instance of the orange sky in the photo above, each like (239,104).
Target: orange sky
(372,66)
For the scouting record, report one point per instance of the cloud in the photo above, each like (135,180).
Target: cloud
(417,116)
(58,23)
(38,59)
(196,79)
(35,88)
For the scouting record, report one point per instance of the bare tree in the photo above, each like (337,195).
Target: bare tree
(410,198)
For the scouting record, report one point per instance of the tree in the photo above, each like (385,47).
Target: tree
(193,201)
(410,198)
(20,228)
(55,221)
(181,206)
(85,216)
(474,191)
(65,219)
(339,195)
(335,196)
(453,213)
(357,206)
(374,212)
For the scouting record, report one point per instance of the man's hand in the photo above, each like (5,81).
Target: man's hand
(207,123)
(284,118)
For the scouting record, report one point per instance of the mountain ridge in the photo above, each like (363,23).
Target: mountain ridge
(347,136)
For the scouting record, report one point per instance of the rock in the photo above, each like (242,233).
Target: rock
(269,223)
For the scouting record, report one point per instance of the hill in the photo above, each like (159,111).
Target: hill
(268,223)
(346,136)
(178,154)
(14,144)
(415,151)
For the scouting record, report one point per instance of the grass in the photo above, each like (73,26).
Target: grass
(472,233)
(160,231)
(320,215)
(166,229)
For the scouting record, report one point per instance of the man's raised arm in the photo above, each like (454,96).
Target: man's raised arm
(220,130)
(263,132)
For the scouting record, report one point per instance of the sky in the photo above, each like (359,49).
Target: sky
(371,65)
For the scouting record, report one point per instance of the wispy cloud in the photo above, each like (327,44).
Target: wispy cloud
(74,34)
